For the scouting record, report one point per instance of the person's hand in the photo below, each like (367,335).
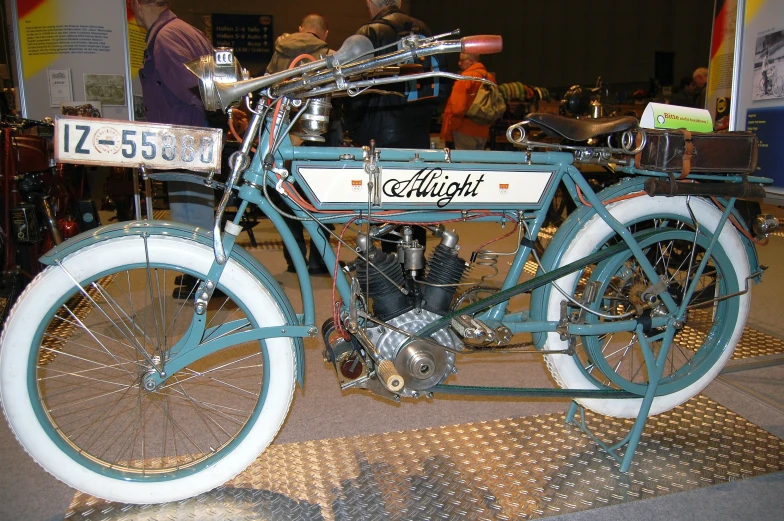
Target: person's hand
(238,123)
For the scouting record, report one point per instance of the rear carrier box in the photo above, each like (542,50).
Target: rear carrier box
(698,152)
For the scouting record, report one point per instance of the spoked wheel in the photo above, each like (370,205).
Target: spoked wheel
(701,345)
(86,333)
(778,86)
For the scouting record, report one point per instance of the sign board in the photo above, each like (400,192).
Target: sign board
(660,115)
(758,84)
(722,52)
(71,51)
(137,43)
(250,35)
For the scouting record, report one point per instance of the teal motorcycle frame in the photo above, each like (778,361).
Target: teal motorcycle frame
(629,262)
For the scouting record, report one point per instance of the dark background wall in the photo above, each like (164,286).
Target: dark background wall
(565,42)
(546,42)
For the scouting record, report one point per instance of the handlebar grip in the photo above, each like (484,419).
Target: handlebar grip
(482,44)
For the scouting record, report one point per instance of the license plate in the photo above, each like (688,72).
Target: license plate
(92,141)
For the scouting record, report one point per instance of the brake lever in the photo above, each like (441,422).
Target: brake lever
(484,44)
(413,41)
(456,32)
(349,86)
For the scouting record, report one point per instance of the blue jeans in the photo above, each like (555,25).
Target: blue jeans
(192,204)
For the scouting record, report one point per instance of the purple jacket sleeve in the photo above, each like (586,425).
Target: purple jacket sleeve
(171,53)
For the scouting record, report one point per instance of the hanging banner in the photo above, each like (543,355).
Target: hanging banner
(718,96)
(71,51)
(758,87)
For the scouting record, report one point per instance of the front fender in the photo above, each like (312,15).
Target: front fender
(568,230)
(185,231)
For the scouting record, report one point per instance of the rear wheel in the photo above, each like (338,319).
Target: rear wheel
(82,338)
(778,86)
(712,327)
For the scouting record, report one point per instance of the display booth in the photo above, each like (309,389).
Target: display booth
(758,84)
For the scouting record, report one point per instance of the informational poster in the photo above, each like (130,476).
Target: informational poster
(249,35)
(718,95)
(71,51)
(758,87)
(768,125)
(767,81)
(59,86)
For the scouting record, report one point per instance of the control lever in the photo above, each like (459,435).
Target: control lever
(239,164)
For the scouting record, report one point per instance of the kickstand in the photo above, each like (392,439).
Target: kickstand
(655,368)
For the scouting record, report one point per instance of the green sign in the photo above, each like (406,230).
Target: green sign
(659,115)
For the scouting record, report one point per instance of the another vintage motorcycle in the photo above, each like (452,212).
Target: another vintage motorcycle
(127,393)
(41,203)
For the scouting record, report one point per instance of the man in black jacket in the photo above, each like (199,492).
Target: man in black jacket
(390,119)
(311,39)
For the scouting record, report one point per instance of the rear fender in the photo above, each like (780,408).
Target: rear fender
(568,230)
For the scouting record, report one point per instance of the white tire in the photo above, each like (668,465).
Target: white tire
(212,424)
(575,372)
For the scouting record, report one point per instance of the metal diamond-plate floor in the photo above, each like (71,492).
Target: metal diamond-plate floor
(518,468)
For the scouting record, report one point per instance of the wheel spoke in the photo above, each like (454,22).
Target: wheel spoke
(616,361)
(93,388)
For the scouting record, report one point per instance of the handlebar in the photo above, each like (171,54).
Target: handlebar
(21,122)
(220,89)
(477,44)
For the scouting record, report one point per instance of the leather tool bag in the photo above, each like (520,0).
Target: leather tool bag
(699,152)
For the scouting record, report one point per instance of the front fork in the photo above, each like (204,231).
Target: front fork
(192,346)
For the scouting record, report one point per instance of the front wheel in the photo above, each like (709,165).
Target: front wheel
(713,324)
(83,336)
(778,86)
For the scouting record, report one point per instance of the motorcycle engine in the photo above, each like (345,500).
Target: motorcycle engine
(431,286)
(421,364)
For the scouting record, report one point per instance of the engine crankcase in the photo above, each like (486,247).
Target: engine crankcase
(421,364)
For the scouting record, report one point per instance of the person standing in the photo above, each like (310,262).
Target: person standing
(700,77)
(767,74)
(687,95)
(171,95)
(390,120)
(456,127)
(311,39)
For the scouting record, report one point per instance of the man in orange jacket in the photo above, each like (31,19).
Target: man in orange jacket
(456,127)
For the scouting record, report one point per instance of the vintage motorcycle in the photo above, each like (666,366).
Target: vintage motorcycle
(127,393)
(41,203)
